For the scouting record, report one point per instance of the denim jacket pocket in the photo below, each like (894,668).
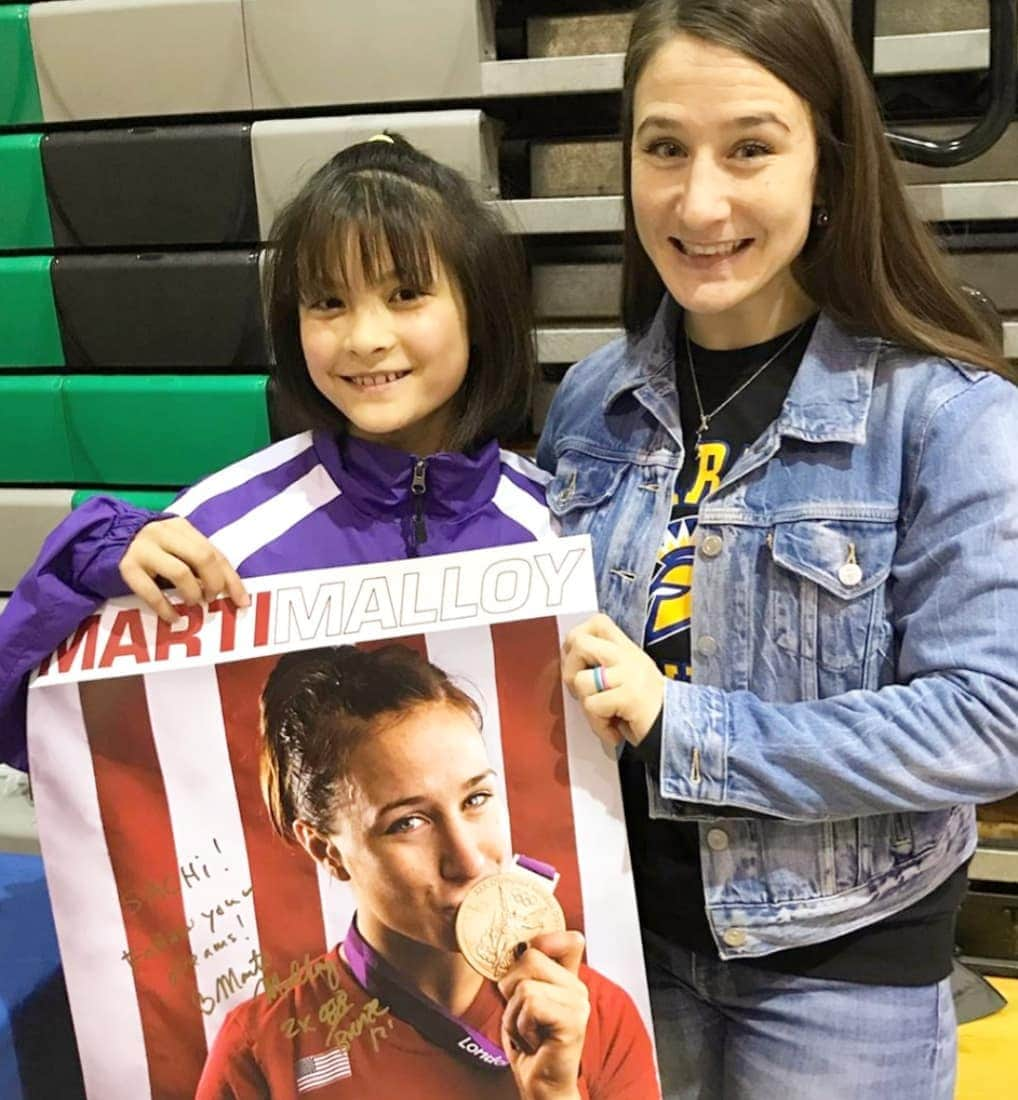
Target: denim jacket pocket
(580,486)
(825,601)
(895,841)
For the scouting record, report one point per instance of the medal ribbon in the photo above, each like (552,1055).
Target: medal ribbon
(426,1016)
(422,1013)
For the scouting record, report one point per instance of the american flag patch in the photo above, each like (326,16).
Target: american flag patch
(320,1069)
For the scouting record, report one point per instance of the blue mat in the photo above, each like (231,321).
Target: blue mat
(38,1055)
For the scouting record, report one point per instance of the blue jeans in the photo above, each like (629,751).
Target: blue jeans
(738,1033)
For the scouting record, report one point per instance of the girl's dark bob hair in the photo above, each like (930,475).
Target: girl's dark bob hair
(391,204)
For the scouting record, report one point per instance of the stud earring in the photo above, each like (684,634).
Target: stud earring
(821,218)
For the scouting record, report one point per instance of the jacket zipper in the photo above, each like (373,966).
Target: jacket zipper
(417,487)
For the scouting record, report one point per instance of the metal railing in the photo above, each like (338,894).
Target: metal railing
(957,150)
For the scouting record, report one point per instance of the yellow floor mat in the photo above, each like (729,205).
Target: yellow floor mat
(988,1051)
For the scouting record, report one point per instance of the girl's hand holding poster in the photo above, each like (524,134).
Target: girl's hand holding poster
(260,826)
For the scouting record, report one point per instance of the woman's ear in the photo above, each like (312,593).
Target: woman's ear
(321,848)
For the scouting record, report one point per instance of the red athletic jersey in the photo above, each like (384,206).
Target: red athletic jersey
(329,1040)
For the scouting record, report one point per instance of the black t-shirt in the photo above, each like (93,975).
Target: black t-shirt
(914,947)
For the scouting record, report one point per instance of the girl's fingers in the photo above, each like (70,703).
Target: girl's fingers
(202,558)
(178,573)
(146,589)
(235,586)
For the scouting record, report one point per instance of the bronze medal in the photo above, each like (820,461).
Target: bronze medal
(499,913)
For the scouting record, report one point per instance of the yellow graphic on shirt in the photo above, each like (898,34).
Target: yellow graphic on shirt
(671,589)
(712,458)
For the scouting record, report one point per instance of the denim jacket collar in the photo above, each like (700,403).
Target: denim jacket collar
(829,399)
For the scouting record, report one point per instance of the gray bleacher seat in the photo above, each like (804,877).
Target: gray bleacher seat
(317,52)
(26,517)
(286,151)
(155,57)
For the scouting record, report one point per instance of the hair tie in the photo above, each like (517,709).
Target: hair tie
(382,137)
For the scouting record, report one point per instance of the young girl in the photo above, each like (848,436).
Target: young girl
(373,762)
(800,473)
(399,316)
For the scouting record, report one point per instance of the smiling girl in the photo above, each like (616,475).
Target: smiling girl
(398,310)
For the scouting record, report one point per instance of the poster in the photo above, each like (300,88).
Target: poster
(176,901)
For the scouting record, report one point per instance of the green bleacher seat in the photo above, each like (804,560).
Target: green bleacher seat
(34,448)
(29,333)
(19,89)
(24,217)
(143,498)
(127,430)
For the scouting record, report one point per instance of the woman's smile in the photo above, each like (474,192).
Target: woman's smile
(705,257)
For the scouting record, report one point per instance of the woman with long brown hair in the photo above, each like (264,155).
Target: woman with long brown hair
(800,472)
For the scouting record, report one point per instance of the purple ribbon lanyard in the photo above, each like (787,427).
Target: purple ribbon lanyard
(536,867)
(422,1013)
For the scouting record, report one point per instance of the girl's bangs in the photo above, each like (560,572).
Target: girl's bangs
(380,221)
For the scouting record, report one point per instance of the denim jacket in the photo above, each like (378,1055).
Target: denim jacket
(854,630)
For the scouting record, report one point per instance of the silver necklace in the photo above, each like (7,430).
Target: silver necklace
(707,417)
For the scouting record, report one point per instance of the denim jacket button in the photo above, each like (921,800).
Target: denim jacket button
(734,937)
(717,840)
(850,574)
(711,546)
(706,645)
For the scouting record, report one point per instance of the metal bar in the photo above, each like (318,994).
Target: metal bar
(939,52)
(943,202)
(1006,968)
(994,864)
(895,54)
(552,75)
(603,213)
(568,343)
(986,132)
(586,214)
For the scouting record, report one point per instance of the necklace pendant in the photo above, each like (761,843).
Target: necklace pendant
(704,425)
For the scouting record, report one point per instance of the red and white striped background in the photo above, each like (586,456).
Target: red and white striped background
(168,886)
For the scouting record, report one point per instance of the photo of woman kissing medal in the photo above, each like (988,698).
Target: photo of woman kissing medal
(457,977)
